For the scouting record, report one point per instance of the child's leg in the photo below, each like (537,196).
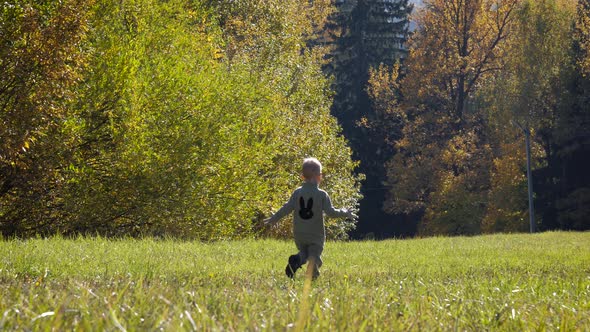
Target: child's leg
(303,253)
(295,261)
(315,258)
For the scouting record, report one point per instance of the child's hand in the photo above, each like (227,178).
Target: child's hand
(351,215)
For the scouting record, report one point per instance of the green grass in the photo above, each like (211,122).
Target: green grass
(499,282)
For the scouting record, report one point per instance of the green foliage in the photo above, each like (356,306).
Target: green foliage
(171,130)
(532,82)
(500,282)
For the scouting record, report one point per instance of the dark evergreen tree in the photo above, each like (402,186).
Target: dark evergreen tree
(562,185)
(365,34)
(571,208)
(572,150)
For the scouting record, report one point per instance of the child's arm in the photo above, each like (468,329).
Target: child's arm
(282,212)
(336,213)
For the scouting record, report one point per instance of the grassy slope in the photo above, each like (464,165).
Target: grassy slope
(508,282)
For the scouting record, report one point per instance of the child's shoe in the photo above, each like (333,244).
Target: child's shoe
(293,266)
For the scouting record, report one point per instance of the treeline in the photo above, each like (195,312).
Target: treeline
(143,117)
(479,74)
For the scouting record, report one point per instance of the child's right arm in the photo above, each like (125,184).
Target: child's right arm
(282,212)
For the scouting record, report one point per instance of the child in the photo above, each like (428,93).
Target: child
(308,203)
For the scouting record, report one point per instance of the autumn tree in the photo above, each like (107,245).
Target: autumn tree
(583,34)
(528,94)
(441,168)
(41,60)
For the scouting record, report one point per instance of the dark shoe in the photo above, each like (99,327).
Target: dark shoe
(293,266)
(315,276)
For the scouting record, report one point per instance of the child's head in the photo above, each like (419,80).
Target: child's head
(311,170)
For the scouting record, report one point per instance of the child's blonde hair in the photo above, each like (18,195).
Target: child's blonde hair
(311,167)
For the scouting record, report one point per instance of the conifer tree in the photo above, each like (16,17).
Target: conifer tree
(366,34)
(572,139)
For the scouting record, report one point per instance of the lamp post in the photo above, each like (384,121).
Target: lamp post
(527,135)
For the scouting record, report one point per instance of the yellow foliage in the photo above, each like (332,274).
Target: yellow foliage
(583,34)
(506,209)
(457,44)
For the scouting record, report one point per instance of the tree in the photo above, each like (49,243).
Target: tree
(176,124)
(365,34)
(583,34)
(457,44)
(287,65)
(41,60)
(441,169)
(570,132)
(532,88)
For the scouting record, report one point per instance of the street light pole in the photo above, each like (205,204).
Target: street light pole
(529,174)
(533,225)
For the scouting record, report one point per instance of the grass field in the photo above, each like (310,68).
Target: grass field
(499,282)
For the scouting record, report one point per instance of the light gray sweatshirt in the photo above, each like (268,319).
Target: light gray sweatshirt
(308,204)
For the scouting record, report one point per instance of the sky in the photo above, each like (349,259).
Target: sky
(416,3)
